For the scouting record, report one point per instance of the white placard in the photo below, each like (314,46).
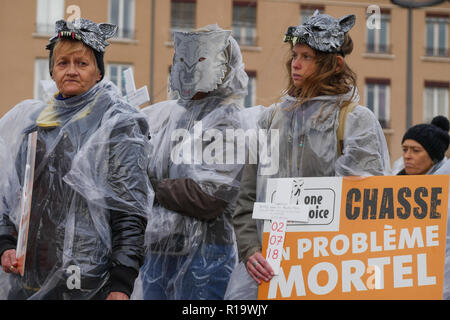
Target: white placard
(25,204)
(279,212)
(304,204)
(134,97)
(130,86)
(283,193)
(272,211)
(321,194)
(139,97)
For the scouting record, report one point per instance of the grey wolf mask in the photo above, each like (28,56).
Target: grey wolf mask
(321,32)
(200,61)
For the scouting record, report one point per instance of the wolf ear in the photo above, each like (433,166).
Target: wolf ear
(177,39)
(60,25)
(222,37)
(108,30)
(347,22)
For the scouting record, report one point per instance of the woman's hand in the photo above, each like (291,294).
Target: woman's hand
(258,268)
(9,261)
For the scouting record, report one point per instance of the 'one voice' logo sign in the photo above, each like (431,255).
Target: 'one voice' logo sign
(296,204)
(317,200)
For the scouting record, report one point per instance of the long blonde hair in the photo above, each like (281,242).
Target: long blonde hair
(330,78)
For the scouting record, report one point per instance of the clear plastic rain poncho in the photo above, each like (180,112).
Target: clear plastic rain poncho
(190,238)
(444,168)
(306,146)
(90,198)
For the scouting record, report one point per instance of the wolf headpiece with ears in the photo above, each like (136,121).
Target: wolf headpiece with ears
(321,32)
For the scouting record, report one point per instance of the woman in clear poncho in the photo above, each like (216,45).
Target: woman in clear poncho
(424,146)
(307,119)
(190,238)
(90,192)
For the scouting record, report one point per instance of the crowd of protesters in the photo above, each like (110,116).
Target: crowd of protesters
(105,189)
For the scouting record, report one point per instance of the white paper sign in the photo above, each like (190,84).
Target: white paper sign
(271,211)
(25,205)
(134,97)
(321,194)
(130,86)
(139,97)
(300,204)
(284,207)
(283,194)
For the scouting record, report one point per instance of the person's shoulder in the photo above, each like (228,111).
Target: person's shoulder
(158,114)
(121,108)
(361,120)
(29,105)
(232,107)
(267,114)
(163,106)
(362,111)
(250,116)
(115,101)
(444,167)
(26,109)
(122,115)
(129,109)
(362,115)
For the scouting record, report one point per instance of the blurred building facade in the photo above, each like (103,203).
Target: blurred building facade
(144,43)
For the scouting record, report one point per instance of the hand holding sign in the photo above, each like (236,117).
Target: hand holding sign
(9,261)
(279,213)
(258,268)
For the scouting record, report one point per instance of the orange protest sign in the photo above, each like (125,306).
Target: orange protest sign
(388,242)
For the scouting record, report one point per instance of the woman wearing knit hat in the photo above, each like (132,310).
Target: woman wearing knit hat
(424,147)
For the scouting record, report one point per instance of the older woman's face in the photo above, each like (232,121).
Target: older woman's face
(74,71)
(415,157)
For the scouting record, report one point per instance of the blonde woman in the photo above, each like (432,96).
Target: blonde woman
(90,191)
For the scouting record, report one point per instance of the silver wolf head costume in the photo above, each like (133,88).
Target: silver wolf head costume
(321,32)
(200,62)
(91,34)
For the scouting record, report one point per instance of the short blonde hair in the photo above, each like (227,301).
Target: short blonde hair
(69,46)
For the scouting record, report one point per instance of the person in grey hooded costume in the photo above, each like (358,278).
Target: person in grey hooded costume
(321,86)
(90,193)
(190,238)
